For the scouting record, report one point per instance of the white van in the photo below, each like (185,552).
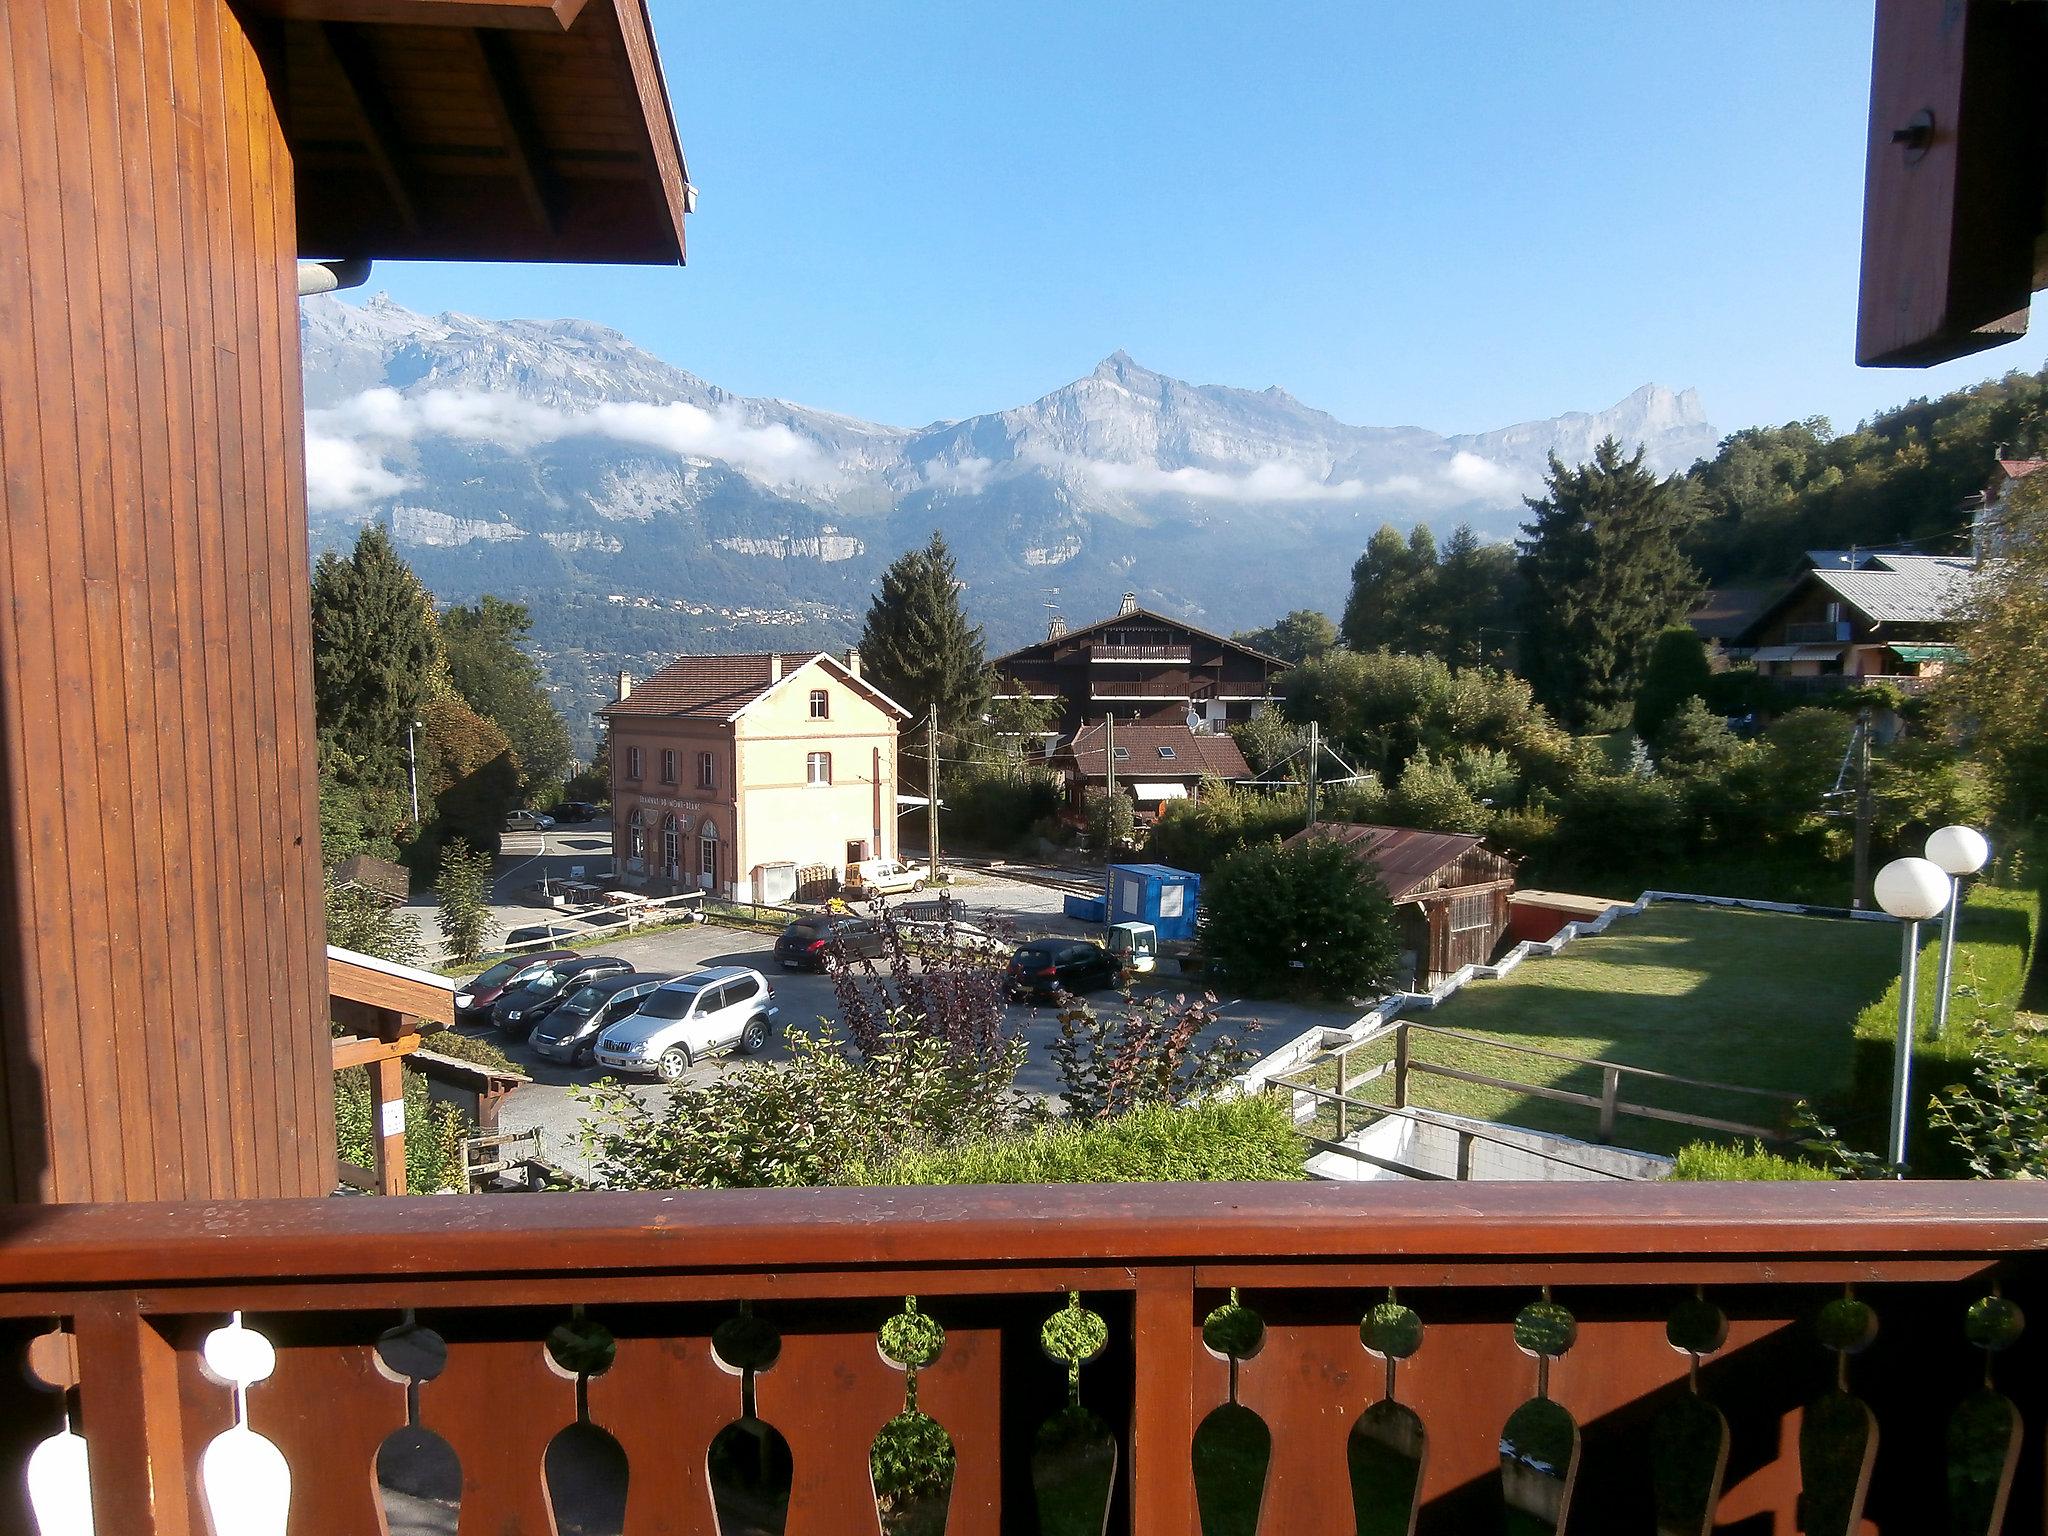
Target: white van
(725,1008)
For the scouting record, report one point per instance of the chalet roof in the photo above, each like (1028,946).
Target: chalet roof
(1195,755)
(1140,615)
(720,687)
(513,130)
(1904,589)
(2019,469)
(1406,858)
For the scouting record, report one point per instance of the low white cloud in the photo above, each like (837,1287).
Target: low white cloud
(960,476)
(350,435)
(1464,477)
(341,474)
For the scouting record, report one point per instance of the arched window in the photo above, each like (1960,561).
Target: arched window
(707,856)
(636,841)
(671,847)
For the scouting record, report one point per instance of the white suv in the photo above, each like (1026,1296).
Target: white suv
(725,1008)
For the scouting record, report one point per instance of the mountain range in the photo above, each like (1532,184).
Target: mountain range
(640,510)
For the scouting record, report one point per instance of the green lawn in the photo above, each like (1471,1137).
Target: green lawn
(1756,1000)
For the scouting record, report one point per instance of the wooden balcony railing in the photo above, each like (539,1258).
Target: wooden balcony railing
(1109,651)
(1283,1359)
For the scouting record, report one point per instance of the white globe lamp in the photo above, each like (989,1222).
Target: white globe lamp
(1959,851)
(1912,890)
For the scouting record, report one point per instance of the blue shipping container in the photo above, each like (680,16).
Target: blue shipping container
(1154,893)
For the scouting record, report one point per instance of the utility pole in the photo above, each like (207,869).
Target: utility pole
(931,789)
(1315,762)
(1859,897)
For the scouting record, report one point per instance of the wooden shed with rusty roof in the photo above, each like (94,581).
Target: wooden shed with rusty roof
(1449,890)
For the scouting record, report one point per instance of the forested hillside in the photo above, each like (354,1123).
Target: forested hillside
(1771,492)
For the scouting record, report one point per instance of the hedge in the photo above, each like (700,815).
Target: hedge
(1709,1161)
(1218,1139)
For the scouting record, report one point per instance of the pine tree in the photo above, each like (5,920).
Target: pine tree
(917,645)
(1602,571)
(375,645)
(1392,604)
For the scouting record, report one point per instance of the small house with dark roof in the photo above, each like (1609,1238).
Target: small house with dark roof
(1449,891)
(1156,761)
(737,770)
(1858,615)
(365,872)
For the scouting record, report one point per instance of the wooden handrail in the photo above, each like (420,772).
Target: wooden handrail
(95,1246)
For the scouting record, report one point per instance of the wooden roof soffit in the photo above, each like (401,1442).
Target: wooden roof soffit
(519,15)
(476,130)
(1955,213)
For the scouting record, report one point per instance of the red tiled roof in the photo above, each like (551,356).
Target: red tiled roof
(715,687)
(1195,755)
(2019,469)
(1405,857)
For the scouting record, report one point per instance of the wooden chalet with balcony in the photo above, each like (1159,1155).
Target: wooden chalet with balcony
(1862,616)
(198,1340)
(1141,666)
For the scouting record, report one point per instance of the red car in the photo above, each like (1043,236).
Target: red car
(475,996)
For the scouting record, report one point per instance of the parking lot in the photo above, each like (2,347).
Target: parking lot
(803,998)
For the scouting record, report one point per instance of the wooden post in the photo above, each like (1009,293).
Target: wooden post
(1610,1091)
(1401,1067)
(132,1420)
(387,1082)
(1163,1414)
(1341,1107)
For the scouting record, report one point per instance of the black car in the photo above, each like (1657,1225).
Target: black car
(571,1027)
(809,942)
(520,1009)
(573,812)
(475,997)
(1042,968)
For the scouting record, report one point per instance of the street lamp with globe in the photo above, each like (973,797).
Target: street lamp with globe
(1959,851)
(1912,890)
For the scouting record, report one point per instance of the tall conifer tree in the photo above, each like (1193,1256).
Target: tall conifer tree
(917,645)
(375,645)
(1603,571)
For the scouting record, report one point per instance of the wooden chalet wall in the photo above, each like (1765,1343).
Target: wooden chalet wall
(163,1028)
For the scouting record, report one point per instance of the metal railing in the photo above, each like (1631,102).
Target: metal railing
(1249,1356)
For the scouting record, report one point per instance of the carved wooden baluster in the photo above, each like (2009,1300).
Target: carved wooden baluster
(245,1482)
(1233,1449)
(59,1485)
(1984,1433)
(419,1475)
(750,1468)
(1539,1446)
(912,1460)
(585,1468)
(1838,1439)
(1073,1458)
(1689,1447)
(1388,1444)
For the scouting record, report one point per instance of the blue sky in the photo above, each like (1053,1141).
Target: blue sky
(1452,216)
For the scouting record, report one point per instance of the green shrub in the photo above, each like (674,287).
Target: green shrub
(1711,1161)
(1308,917)
(433,1132)
(998,810)
(1676,671)
(1216,1139)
